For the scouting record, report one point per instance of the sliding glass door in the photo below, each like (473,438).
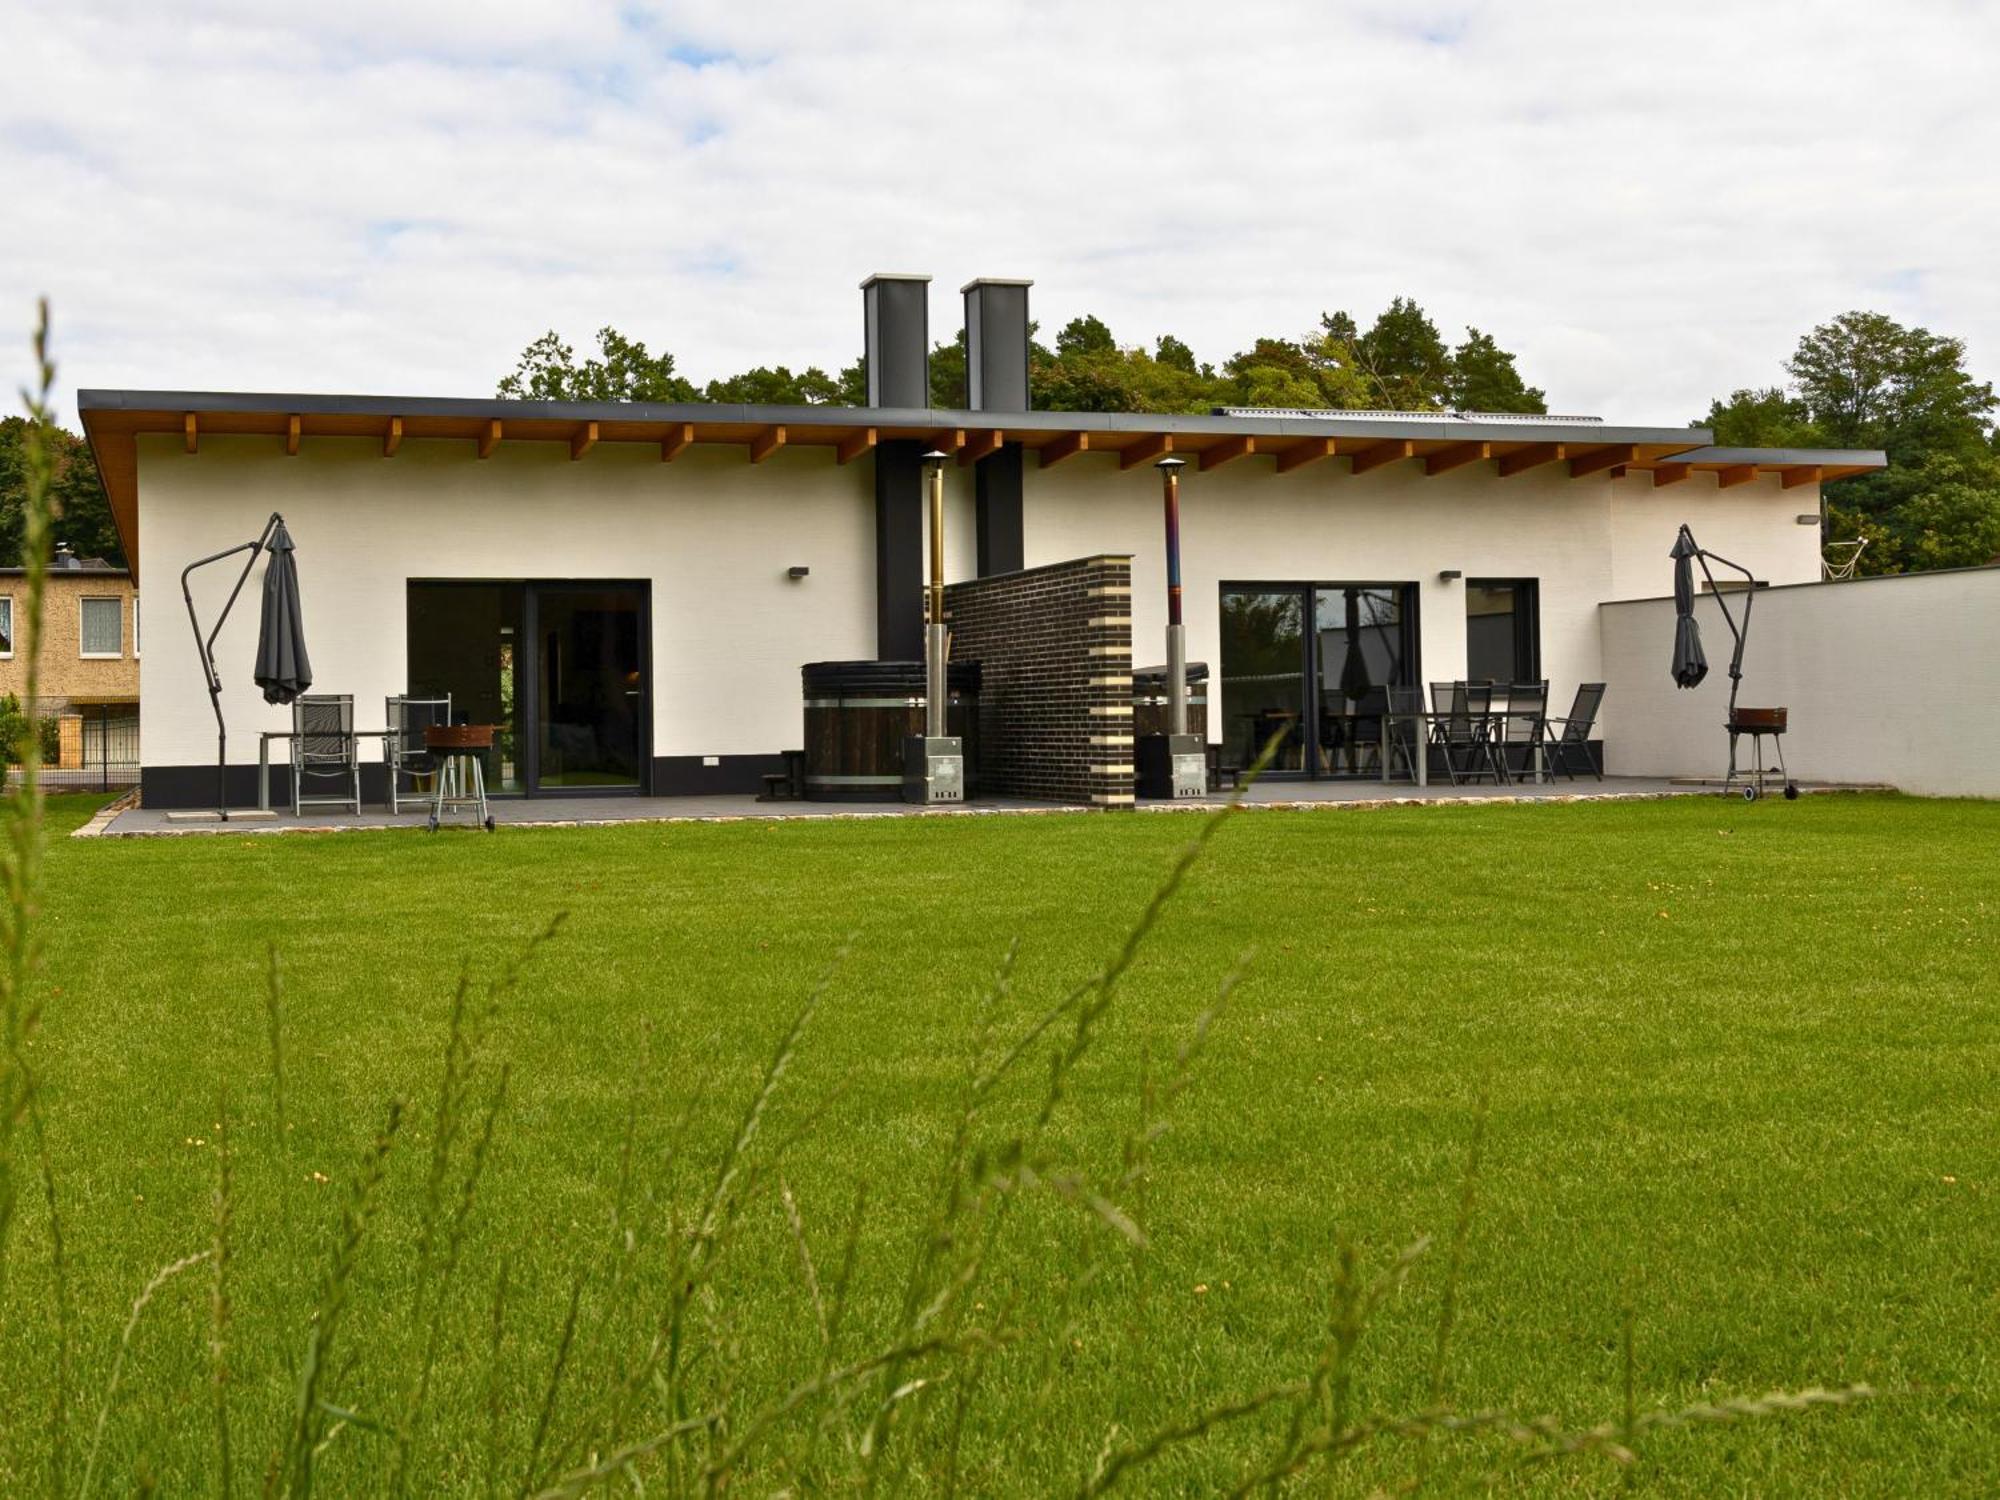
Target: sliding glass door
(1312,664)
(560,670)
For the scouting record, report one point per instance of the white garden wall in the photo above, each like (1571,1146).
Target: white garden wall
(1891,680)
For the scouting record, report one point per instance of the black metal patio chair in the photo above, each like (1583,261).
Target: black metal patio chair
(404,753)
(1404,720)
(1522,726)
(1461,714)
(325,747)
(1568,745)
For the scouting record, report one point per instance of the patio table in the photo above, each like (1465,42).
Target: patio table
(264,739)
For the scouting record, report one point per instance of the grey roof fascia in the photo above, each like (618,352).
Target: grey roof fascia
(1194,424)
(1825,458)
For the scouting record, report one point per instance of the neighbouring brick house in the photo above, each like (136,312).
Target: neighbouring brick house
(90,656)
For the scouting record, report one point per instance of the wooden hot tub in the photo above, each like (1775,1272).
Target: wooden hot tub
(857,715)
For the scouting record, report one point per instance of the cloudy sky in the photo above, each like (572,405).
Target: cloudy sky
(1648,203)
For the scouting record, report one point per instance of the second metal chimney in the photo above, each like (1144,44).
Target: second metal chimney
(996,344)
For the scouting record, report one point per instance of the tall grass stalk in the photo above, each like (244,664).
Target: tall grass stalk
(21,854)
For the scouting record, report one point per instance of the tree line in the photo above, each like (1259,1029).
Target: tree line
(1861,380)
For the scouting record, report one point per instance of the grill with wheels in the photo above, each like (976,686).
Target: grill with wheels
(460,753)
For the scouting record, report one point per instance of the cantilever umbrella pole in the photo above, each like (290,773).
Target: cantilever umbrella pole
(205,646)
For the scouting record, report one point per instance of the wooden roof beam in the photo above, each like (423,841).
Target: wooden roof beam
(1803,474)
(767,442)
(192,429)
(1666,474)
(1312,450)
(1735,474)
(292,437)
(1457,456)
(1215,455)
(856,443)
(490,438)
(1597,460)
(983,442)
(679,438)
(1154,445)
(1067,446)
(1377,454)
(393,438)
(582,441)
(1531,457)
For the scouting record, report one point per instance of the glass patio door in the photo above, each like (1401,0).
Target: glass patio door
(1312,664)
(590,687)
(559,669)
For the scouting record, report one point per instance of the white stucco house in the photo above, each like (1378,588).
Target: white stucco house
(631,590)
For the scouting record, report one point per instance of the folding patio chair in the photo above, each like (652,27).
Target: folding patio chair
(1522,726)
(404,752)
(1404,721)
(325,746)
(1461,714)
(1563,746)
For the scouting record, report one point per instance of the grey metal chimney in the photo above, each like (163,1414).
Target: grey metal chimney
(896,340)
(996,344)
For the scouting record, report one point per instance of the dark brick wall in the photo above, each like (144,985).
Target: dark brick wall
(1055,701)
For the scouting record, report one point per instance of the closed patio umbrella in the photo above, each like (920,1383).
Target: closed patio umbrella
(1690,661)
(283,670)
(1354,683)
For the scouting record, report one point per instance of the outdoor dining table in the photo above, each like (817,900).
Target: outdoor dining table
(264,739)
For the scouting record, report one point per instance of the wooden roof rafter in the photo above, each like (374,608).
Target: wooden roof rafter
(767,442)
(1215,455)
(1150,448)
(856,443)
(1376,455)
(1533,456)
(984,441)
(1596,460)
(1067,446)
(1456,456)
(1311,451)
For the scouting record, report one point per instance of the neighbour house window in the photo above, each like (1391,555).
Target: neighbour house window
(103,627)
(6,625)
(1502,630)
(135,627)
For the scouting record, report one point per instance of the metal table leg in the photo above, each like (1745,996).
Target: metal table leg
(263,773)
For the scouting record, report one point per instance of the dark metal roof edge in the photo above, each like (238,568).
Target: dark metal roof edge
(1826,458)
(1359,424)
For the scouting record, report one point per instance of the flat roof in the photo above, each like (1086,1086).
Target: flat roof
(113,420)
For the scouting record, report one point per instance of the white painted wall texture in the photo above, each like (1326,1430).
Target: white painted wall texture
(1888,680)
(714,535)
(1586,540)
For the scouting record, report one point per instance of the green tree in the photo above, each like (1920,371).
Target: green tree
(1403,360)
(82,511)
(777,386)
(1483,378)
(1864,380)
(624,371)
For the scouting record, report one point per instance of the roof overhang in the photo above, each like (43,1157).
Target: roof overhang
(114,420)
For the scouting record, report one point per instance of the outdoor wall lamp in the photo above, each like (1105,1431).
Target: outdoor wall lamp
(796,573)
(1450,575)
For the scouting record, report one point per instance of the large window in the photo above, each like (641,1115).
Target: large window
(1502,630)
(103,627)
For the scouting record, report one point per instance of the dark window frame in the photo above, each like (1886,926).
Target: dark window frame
(1527,624)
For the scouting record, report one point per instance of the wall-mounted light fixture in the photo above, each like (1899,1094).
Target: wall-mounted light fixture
(795,574)
(1450,575)
(1804,520)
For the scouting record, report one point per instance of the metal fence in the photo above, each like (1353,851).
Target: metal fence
(96,750)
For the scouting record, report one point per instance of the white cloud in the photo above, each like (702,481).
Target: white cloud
(1649,203)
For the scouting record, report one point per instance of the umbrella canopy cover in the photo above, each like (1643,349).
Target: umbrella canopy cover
(1354,681)
(283,670)
(1690,661)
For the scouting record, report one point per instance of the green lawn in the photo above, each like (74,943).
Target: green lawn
(1741,1063)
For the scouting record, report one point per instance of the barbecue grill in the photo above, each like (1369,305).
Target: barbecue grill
(1690,666)
(461,774)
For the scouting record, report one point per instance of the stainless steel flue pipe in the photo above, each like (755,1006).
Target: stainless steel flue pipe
(935,644)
